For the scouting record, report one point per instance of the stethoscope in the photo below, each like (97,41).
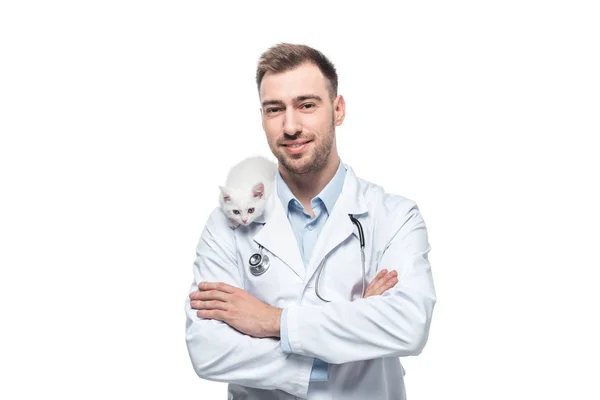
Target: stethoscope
(260,263)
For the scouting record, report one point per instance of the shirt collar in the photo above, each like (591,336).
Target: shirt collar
(329,194)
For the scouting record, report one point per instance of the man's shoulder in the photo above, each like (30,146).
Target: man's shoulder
(218,222)
(385,202)
(389,212)
(217,216)
(217,232)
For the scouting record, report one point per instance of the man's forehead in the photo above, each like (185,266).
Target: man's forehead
(306,78)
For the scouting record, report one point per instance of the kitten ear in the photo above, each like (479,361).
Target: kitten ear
(225,194)
(258,190)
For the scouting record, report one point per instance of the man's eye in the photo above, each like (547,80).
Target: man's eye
(273,110)
(308,106)
(250,210)
(236,212)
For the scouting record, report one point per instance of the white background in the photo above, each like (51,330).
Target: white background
(119,119)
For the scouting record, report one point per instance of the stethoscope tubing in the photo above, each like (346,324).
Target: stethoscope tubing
(361,238)
(259,262)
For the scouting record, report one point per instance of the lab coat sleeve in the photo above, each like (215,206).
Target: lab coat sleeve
(283,335)
(319,371)
(219,352)
(394,324)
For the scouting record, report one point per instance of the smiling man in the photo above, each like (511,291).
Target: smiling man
(308,327)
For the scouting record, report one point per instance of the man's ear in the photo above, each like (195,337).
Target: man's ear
(339,110)
(225,194)
(262,120)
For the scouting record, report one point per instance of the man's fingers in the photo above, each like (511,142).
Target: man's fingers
(380,275)
(390,283)
(208,305)
(220,286)
(209,295)
(372,286)
(378,286)
(377,278)
(211,314)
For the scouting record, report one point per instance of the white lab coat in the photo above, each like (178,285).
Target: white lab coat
(361,339)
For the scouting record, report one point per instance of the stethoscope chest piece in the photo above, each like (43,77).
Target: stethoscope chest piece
(259,263)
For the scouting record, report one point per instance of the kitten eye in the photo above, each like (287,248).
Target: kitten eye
(236,212)
(250,210)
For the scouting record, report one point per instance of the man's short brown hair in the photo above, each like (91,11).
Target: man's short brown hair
(285,56)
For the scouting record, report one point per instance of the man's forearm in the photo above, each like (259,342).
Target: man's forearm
(274,329)
(221,353)
(365,329)
(237,308)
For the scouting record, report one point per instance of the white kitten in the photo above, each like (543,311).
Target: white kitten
(249,184)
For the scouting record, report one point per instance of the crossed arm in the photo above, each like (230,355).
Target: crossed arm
(393,324)
(244,312)
(223,354)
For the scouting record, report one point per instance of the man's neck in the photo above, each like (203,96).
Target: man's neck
(306,186)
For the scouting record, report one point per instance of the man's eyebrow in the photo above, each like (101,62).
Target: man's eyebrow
(307,97)
(272,102)
(297,99)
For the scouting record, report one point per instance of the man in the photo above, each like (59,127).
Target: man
(304,328)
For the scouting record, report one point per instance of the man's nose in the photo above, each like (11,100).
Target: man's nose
(292,126)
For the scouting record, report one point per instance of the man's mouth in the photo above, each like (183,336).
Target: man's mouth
(295,148)
(295,144)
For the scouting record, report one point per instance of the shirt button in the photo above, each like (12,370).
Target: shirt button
(310,227)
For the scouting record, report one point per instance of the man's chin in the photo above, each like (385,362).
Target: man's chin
(297,165)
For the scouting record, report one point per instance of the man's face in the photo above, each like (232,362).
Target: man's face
(299,118)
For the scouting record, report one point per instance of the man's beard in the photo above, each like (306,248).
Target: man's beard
(321,154)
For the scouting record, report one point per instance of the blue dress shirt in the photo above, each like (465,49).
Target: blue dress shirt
(307,231)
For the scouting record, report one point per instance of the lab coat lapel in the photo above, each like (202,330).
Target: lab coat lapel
(277,235)
(338,226)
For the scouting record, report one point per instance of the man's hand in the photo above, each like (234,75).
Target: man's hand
(383,281)
(237,308)
(244,312)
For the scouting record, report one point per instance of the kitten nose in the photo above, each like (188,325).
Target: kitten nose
(244,220)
